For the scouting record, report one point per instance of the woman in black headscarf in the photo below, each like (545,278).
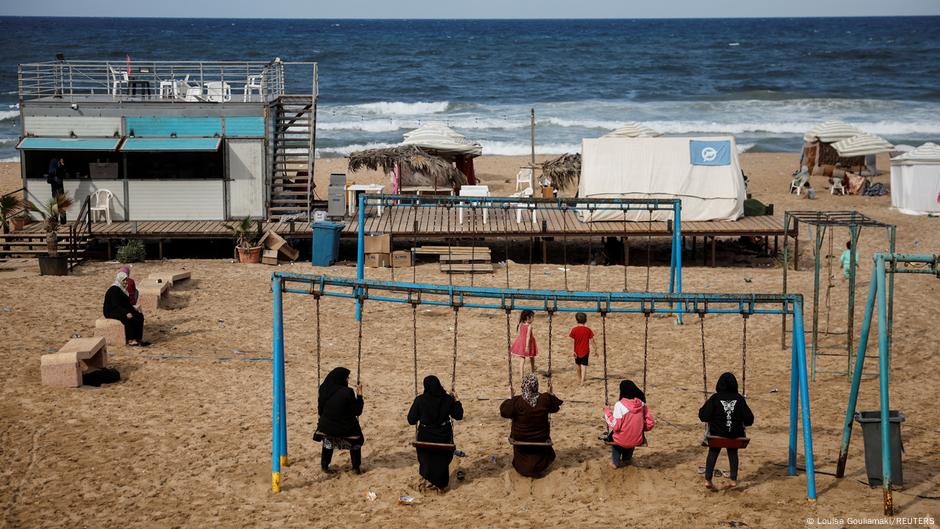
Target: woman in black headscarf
(117,306)
(529,413)
(432,411)
(339,407)
(726,413)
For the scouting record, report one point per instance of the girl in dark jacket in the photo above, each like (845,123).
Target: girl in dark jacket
(432,411)
(117,306)
(726,413)
(339,408)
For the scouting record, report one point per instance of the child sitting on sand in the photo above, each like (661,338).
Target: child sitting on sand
(524,346)
(726,413)
(583,338)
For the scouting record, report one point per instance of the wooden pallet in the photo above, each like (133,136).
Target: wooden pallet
(450,250)
(467,268)
(465,258)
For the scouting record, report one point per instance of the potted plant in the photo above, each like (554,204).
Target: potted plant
(246,240)
(20,220)
(53,264)
(8,204)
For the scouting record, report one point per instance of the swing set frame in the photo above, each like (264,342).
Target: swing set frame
(543,301)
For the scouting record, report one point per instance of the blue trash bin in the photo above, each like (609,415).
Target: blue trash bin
(325,242)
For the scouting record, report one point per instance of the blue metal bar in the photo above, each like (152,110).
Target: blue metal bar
(361,248)
(857,375)
(883,385)
(277,374)
(677,248)
(800,340)
(794,409)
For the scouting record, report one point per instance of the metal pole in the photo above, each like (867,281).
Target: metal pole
(820,235)
(276,382)
(677,248)
(786,257)
(856,376)
(361,250)
(800,340)
(883,386)
(894,265)
(532,120)
(854,232)
(794,407)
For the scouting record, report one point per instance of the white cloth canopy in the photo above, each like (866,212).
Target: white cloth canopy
(831,131)
(915,180)
(660,168)
(442,139)
(632,129)
(861,145)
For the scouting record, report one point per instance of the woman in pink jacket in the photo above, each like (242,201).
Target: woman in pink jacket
(629,418)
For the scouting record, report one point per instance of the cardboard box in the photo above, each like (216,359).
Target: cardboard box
(377,260)
(378,244)
(401,259)
(269,257)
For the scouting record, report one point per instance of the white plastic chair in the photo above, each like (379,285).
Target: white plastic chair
(218,92)
(254,83)
(835,184)
(473,191)
(796,185)
(101,203)
(174,88)
(524,176)
(119,81)
(525,193)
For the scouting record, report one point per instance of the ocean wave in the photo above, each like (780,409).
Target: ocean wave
(520,148)
(11,159)
(344,150)
(392,125)
(9,115)
(398,108)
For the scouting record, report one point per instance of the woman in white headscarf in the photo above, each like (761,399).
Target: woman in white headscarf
(117,306)
(529,413)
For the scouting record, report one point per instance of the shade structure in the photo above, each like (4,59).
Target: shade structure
(69,144)
(417,167)
(443,141)
(632,129)
(831,131)
(171,144)
(862,145)
(915,180)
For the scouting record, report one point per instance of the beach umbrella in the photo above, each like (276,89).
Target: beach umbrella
(442,140)
(632,129)
(861,145)
(831,131)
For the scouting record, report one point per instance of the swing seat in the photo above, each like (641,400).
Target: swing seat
(443,447)
(727,442)
(530,443)
(319,436)
(644,444)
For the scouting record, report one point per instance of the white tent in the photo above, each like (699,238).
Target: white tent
(831,131)
(661,168)
(915,180)
(442,140)
(632,129)
(861,145)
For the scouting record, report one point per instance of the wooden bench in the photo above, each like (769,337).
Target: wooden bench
(111,330)
(151,293)
(172,277)
(77,356)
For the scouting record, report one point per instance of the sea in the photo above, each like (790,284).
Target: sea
(764,80)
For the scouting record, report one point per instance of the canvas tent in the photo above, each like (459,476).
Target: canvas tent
(915,180)
(708,180)
(818,147)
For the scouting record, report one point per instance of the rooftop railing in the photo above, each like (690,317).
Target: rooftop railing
(163,81)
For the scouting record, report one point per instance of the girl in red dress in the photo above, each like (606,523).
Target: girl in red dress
(524,346)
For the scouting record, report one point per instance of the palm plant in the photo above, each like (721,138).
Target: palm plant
(50,213)
(8,205)
(245,236)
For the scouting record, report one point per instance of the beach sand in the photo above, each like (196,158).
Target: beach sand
(184,439)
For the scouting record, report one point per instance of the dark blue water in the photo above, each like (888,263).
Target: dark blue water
(764,80)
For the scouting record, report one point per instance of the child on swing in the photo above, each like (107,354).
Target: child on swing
(583,338)
(524,346)
(726,413)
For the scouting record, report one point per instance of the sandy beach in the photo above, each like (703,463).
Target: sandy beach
(184,439)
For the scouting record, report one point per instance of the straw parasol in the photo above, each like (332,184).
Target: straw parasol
(408,157)
(861,145)
(563,171)
(632,129)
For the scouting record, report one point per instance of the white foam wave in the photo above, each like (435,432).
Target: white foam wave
(344,150)
(11,159)
(393,125)
(9,114)
(398,108)
(515,149)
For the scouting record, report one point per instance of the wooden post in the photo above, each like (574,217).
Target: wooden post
(713,250)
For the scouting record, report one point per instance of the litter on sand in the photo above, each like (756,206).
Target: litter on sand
(407,500)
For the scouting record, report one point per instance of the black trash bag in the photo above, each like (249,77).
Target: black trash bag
(105,375)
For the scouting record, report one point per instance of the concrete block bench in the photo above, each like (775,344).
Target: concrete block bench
(172,277)
(111,330)
(77,356)
(151,293)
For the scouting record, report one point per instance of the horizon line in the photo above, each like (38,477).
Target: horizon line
(775,17)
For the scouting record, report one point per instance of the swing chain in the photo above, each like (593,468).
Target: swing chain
(509,350)
(701,320)
(453,373)
(551,313)
(744,316)
(646,342)
(604,350)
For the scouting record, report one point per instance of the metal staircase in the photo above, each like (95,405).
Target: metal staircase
(292,156)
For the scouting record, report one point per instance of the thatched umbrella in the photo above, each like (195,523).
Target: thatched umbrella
(412,160)
(563,171)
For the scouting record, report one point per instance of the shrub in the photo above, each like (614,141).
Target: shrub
(132,252)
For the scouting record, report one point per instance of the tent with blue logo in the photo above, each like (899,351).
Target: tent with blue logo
(704,172)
